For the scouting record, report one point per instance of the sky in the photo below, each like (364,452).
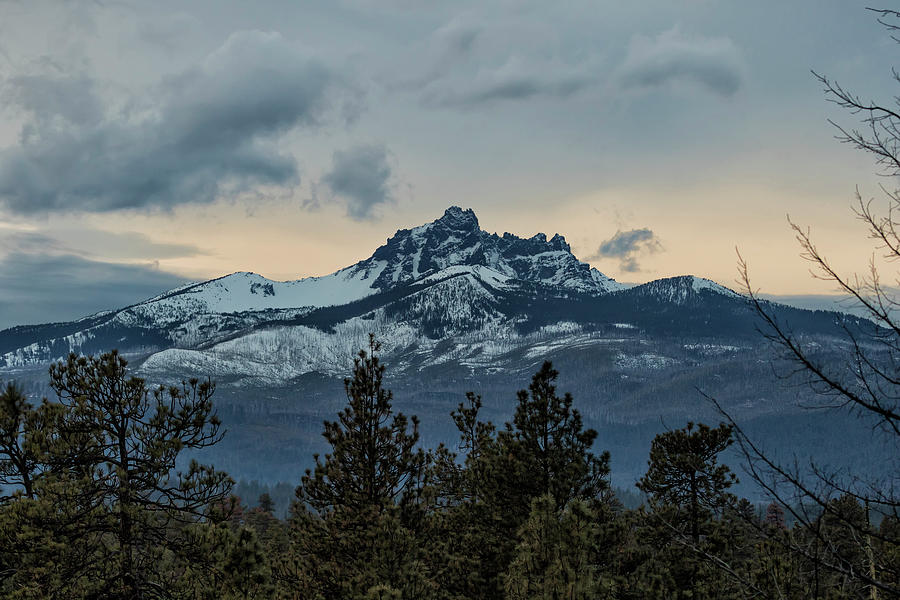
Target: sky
(143,145)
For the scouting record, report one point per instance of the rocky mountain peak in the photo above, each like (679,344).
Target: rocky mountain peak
(456,239)
(559,242)
(459,219)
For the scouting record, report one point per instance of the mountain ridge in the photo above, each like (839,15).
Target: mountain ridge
(457,309)
(411,278)
(196,313)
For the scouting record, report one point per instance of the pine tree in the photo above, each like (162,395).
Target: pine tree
(107,508)
(374,462)
(684,472)
(774,571)
(775,516)
(841,533)
(19,458)
(686,486)
(545,450)
(559,554)
(553,449)
(358,511)
(265,503)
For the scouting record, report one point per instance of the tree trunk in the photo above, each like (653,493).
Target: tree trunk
(126,534)
(695,510)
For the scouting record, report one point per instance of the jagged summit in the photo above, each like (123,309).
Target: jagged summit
(459,219)
(443,278)
(455,309)
(457,239)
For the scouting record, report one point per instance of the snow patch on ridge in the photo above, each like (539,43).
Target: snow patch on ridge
(279,354)
(487,275)
(701,283)
(241,292)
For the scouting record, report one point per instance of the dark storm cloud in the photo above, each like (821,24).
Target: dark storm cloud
(205,132)
(41,288)
(672,58)
(627,246)
(361,177)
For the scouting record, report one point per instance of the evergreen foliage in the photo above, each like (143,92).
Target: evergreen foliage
(101,507)
(356,513)
(550,446)
(378,517)
(19,455)
(684,472)
(374,462)
(487,497)
(560,554)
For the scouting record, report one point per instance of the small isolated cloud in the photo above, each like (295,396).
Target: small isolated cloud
(627,247)
(362,178)
(209,131)
(672,58)
(42,288)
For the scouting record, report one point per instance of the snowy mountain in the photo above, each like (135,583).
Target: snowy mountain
(452,247)
(456,309)
(456,240)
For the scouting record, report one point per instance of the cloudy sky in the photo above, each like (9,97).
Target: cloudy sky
(146,144)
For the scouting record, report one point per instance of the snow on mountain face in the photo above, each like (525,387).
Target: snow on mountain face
(457,307)
(242,292)
(682,289)
(450,243)
(452,247)
(456,239)
(444,280)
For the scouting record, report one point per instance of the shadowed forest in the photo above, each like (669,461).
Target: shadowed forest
(518,510)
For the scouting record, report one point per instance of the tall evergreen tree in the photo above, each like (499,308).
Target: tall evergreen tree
(265,503)
(19,457)
(560,554)
(684,472)
(137,437)
(544,450)
(468,541)
(358,511)
(686,486)
(373,462)
(105,484)
(550,446)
